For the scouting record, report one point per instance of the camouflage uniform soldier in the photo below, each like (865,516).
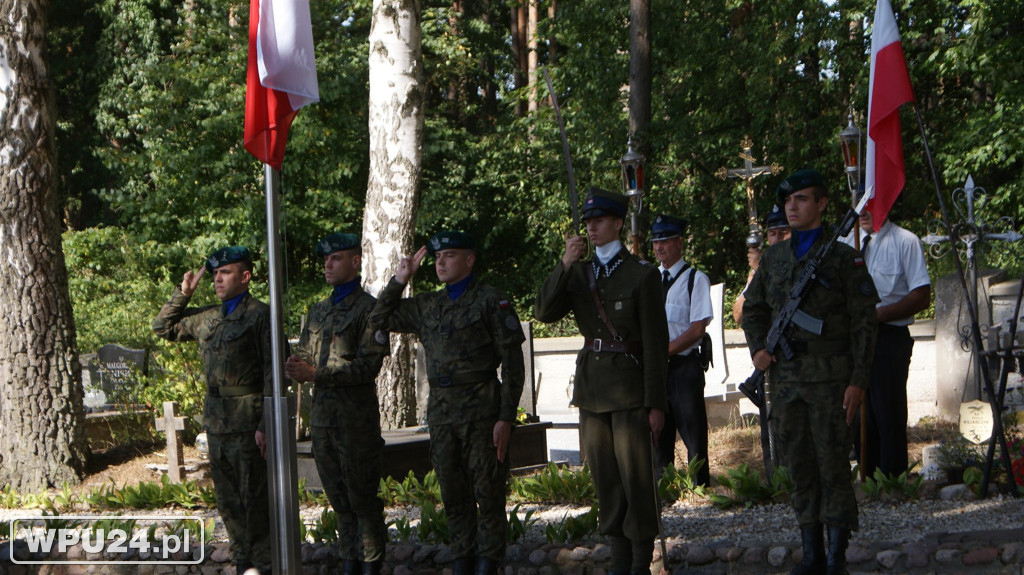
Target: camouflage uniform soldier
(234,341)
(467,330)
(816,394)
(341,355)
(620,373)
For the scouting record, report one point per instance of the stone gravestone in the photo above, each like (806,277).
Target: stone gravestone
(954,371)
(110,373)
(172,425)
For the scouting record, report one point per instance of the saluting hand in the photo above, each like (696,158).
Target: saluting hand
(408,265)
(575,246)
(190,281)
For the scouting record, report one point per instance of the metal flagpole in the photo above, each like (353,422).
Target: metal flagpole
(284,493)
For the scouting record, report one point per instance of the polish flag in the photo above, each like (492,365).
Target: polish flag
(281,74)
(889,89)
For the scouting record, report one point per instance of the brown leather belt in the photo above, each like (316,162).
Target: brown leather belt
(630,347)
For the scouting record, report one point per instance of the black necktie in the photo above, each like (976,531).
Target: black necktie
(864,246)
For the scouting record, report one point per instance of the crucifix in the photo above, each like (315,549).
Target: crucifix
(172,426)
(972,235)
(747,173)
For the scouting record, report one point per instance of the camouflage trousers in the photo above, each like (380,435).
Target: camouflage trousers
(239,475)
(815,443)
(349,465)
(618,449)
(467,467)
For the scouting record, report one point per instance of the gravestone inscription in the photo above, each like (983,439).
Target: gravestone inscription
(111,374)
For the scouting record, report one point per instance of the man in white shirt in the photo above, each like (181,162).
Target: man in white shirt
(895,260)
(688,310)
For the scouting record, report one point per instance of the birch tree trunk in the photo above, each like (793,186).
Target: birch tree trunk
(42,433)
(396,150)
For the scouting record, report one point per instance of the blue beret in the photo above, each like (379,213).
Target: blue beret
(775,218)
(666,226)
(806,178)
(225,256)
(451,241)
(604,203)
(336,242)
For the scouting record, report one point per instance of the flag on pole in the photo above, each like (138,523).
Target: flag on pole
(281,74)
(889,89)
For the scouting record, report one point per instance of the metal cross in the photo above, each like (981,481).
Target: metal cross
(747,173)
(971,235)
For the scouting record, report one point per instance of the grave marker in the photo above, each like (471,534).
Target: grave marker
(172,425)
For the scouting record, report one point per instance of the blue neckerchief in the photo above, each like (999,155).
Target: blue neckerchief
(804,240)
(341,291)
(229,305)
(458,288)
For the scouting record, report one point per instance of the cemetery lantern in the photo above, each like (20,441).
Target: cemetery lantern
(851,141)
(633,187)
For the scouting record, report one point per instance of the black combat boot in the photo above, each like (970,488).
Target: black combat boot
(813,539)
(463,565)
(838,540)
(351,567)
(486,566)
(373,567)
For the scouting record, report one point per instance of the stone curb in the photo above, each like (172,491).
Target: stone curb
(996,551)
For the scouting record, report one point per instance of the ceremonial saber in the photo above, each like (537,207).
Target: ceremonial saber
(574,202)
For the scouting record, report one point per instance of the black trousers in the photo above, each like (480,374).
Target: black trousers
(687,414)
(887,403)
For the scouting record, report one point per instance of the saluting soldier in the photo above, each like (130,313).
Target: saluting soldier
(815,395)
(467,330)
(617,302)
(234,342)
(341,354)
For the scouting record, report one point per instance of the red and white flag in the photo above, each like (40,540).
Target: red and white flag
(281,74)
(889,89)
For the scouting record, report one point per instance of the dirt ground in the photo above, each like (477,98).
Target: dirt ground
(730,446)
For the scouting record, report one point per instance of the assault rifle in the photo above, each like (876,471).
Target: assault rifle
(791,314)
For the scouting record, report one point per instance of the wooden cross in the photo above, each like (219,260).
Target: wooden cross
(172,426)
(747,173)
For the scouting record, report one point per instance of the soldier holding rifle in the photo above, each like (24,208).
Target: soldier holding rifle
(819,357)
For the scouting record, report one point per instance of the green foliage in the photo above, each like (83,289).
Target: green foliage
(517,527)
(555,484)
(325,529)
(411,491)
(574,528)
(433,525)
(309,497)
(403,528)
(893,486)
(749,489)
(149,495)
(674,483)
(152,173)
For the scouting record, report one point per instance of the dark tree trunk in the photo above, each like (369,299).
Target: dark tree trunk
(42,434)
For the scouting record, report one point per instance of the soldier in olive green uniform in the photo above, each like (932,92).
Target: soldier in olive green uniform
(342,355)
(234,341)
(818,391)
(620,373)
(467,330)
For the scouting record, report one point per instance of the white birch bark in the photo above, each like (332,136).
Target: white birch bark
(396,138)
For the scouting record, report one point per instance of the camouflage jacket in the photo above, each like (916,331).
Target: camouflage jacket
(235,352)
(843,351)
(473,334)
(338,341)
(634,302)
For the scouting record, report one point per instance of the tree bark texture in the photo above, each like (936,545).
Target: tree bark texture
(531,60)
(396,151)
(42,433)
(640,101)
